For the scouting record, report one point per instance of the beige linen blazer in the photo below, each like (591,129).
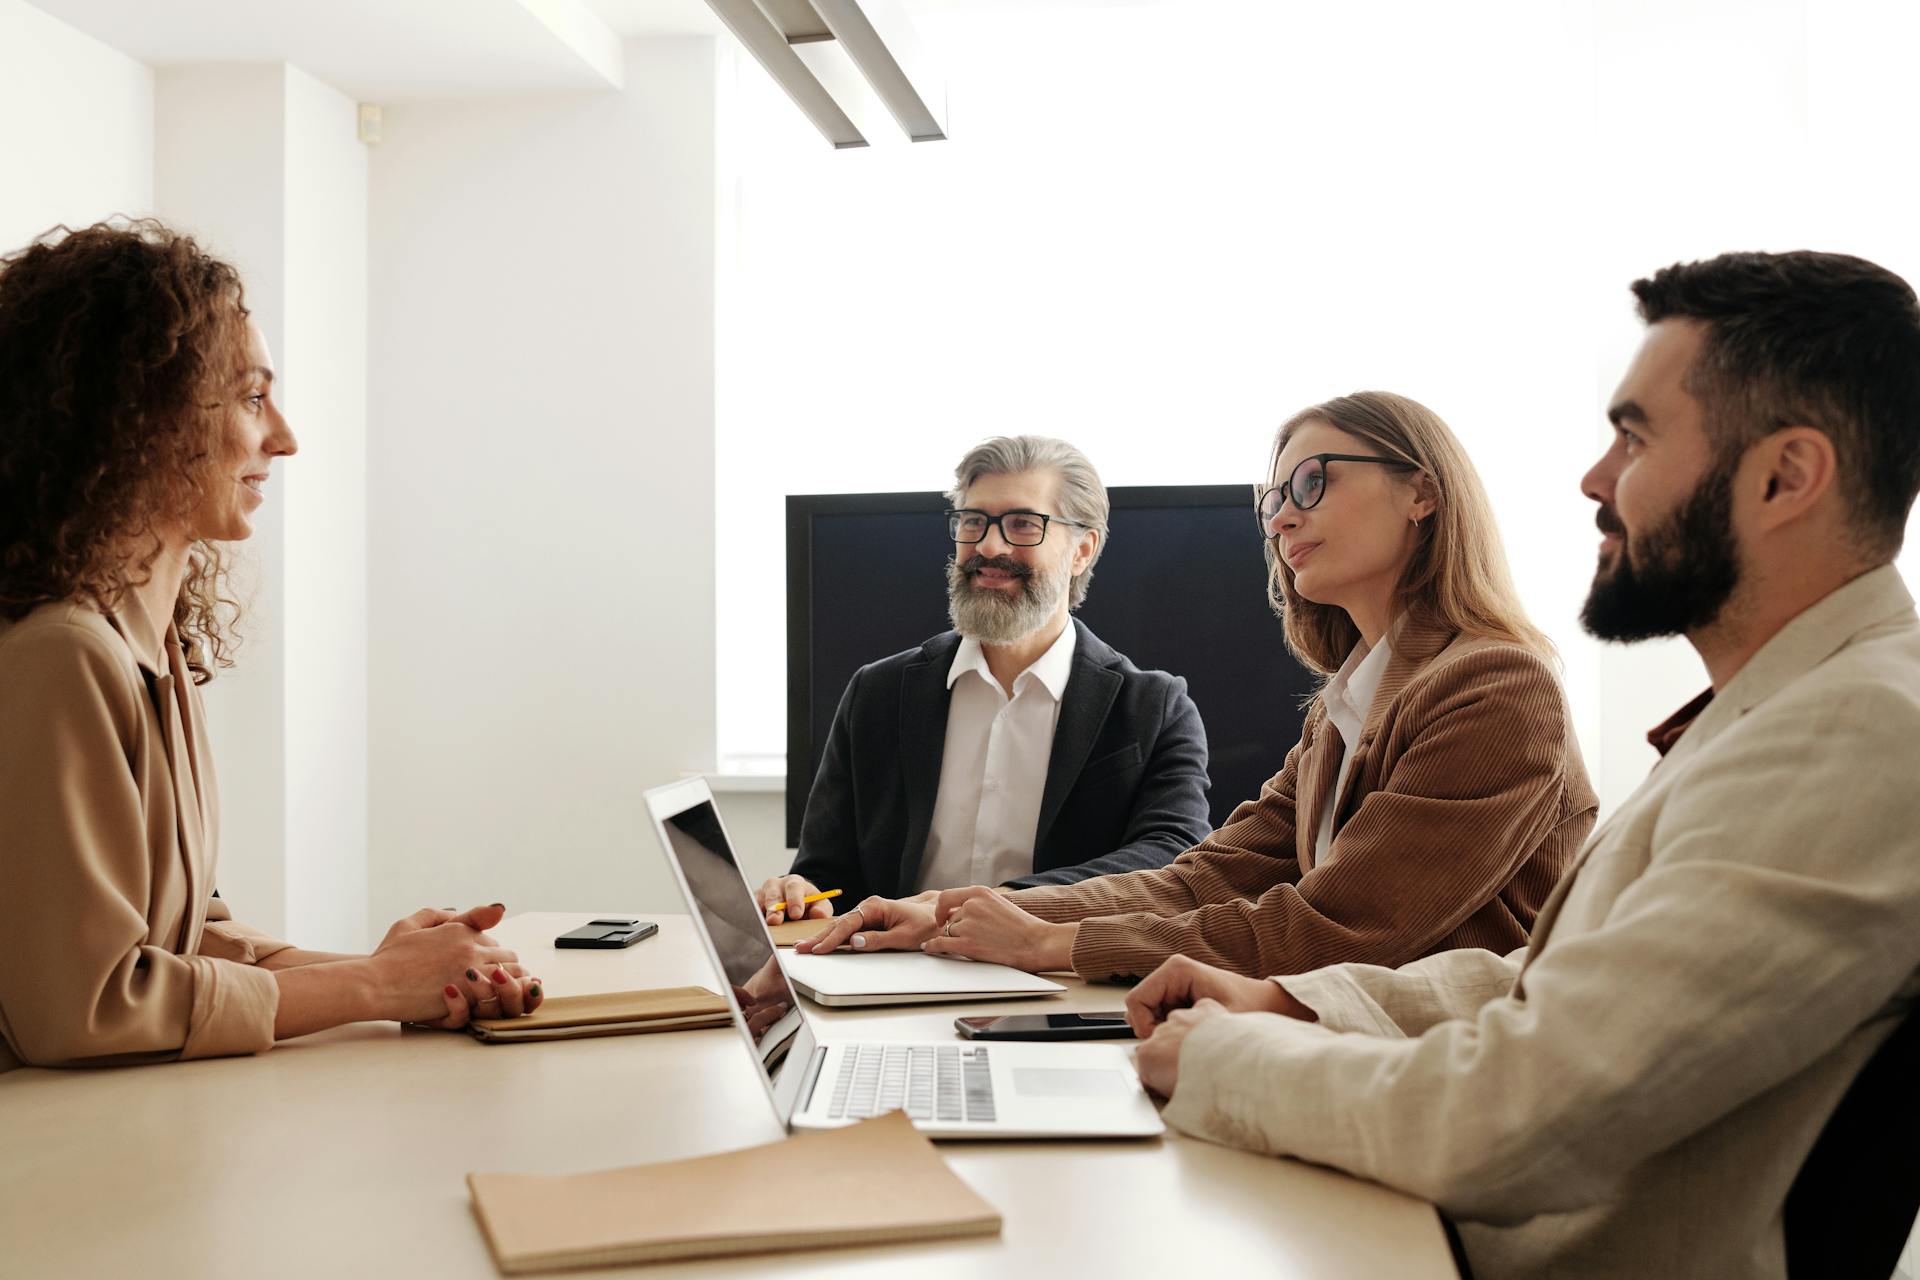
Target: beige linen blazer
(1466,802)
(1634,1094)
(112,946)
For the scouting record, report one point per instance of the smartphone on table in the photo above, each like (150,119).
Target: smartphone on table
(608,934)
(1046,1026)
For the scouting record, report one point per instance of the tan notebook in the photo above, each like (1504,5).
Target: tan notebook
(614,1013)
(785,935)
(877,1182)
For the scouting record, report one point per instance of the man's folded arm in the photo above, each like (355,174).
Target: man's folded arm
(1408,1000)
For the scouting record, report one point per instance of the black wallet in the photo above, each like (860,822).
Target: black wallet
(609,934)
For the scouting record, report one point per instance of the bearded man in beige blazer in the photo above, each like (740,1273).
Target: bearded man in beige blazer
(1634,1092)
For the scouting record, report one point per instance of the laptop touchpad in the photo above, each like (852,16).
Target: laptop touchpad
(1072,1082)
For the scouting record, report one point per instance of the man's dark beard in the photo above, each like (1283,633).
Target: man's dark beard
(1679,574)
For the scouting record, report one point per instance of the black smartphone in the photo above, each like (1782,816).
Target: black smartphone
(608,934)
(1046,1026)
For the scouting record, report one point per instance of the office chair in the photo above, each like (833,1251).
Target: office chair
(1852,1205)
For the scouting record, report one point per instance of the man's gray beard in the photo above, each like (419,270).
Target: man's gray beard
(991,617)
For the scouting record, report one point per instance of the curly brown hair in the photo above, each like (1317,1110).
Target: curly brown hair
(117,343)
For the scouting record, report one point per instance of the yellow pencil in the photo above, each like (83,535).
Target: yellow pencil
(820,897)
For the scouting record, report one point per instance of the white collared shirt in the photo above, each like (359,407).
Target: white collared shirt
(1348,698)
(993,770)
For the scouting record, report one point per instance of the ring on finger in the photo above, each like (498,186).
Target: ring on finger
(949,929)
(861,912)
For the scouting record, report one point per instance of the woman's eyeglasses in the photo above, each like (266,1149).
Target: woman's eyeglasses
(1308,483)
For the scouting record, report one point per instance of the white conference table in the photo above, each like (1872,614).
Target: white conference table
(345,1154)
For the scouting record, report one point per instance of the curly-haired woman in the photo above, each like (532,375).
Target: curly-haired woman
(137,432)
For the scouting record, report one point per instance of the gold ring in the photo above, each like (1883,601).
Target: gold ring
(949,929)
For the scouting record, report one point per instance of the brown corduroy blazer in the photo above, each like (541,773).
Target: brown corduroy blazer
(1465,802)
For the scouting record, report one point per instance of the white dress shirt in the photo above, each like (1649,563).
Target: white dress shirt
(993,770)
(1348,698)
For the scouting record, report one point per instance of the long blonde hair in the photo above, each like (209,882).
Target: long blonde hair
(1457,575)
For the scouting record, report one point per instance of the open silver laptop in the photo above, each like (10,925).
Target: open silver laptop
(950,1089)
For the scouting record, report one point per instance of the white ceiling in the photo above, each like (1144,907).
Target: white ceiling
(692,17)
(657,17)
(388,51)
(373,50)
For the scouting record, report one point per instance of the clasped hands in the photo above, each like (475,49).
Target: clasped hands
(443,969)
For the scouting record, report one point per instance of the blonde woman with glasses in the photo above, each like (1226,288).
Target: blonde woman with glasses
(1436,793)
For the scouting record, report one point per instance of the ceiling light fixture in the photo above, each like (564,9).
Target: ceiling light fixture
(875,35)
(770,47)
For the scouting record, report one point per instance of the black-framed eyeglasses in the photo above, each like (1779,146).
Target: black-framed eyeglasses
(1018,528)
(1308,483)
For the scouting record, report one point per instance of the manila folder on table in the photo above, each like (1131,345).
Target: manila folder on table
(611,1013)
(876,1182)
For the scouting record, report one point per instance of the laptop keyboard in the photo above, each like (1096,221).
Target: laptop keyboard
(928,1082)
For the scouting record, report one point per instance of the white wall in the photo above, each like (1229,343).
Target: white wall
(219,156)
(261,163)
(541,502)
(325,398)
(76,127)
(757,825)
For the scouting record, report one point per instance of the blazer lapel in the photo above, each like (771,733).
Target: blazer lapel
(189,821)
(1318,768)
(923,741)
(199,821)
(169,684)
(1415,643)
(1091,689)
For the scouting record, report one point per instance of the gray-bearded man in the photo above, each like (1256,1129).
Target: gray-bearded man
(1016,749)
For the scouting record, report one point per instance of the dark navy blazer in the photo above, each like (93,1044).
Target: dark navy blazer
(1126,782)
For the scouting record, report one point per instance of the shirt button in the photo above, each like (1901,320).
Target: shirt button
(990,784)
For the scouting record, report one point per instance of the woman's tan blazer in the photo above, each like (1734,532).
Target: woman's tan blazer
(113,947)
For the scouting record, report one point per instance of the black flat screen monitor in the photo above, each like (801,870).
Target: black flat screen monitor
(1181,587)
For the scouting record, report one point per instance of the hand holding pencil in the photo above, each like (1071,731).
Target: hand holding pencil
(785,898)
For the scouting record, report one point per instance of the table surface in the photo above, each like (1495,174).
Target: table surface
(345,1154)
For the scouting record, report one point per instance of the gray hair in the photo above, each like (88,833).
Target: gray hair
(1083,498)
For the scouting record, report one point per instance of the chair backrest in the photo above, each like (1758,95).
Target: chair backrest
(1852,1206)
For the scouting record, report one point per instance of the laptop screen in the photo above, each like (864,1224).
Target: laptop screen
(737,932)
